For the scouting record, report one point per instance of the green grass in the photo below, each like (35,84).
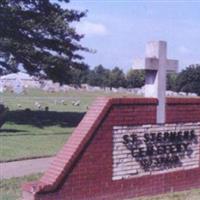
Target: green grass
(186,195)
(40,133)
(31,141)
(10,189)
(53,100)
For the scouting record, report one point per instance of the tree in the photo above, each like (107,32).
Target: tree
(79,76)
(99,76)
(39,36)
(171,81)
(135,78)
(117,78)
(189,79)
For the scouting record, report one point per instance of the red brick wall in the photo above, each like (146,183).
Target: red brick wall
(88,174)
(183,110)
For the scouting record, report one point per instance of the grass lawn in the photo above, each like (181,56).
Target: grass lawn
(53,100)
(29,141)
(10,189)
(37,132)
(187,195)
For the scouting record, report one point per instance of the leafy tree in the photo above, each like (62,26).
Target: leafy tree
(171,81)
(117,78)
(135,78)
(99,76)
(105,78)
(189,79)
(79,76)
(92,78)
(39,36)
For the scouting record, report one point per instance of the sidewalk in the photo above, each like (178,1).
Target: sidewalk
(23,168)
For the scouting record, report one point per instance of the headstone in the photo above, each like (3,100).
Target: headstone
(192,94)
(18,87)
(157,66)
(1,87)
(182,93)
(76,102)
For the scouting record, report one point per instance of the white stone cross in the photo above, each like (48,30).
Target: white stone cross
(156,66)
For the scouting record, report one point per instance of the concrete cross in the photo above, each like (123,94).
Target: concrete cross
(156,66)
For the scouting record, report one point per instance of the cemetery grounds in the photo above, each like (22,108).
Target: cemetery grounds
(39,123)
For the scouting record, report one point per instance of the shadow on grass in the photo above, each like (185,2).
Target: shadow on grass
(11,131)
(44,118)
(31,134)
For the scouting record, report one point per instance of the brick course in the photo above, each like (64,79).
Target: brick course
(83,168)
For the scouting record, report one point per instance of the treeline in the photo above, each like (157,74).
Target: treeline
(113,78)
(187,80)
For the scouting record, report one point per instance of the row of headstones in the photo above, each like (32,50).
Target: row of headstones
(42,105)
(18,87)
(51,88)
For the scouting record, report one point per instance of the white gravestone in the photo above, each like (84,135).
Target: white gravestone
(17,86)
(157,66)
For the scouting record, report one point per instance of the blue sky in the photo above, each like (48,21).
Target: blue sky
(118,30)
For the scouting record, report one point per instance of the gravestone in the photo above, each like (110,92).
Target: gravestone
(18,87)
(157,66)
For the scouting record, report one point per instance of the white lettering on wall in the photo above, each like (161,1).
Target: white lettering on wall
(153,149)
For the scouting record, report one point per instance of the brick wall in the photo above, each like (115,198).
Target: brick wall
(83,167)
(183,110)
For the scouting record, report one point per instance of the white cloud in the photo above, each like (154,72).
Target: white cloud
(91,28)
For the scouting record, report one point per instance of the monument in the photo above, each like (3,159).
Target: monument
(156,66)
(123,148)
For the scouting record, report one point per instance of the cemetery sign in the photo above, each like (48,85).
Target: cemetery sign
(151,149)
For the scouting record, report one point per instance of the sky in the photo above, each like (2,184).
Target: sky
(119,29)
